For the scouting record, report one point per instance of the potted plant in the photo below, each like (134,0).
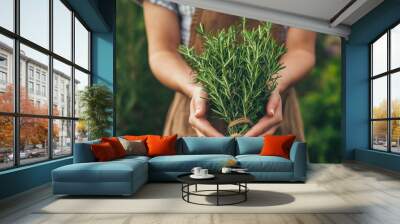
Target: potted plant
(237,68)
(96,102)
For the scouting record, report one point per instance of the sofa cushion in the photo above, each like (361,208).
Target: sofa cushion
(249,145)
(277,145)
(203,145)
(103,152)
(135,147)
(116,145)
(133,158)
(257,163)
(185,163)
(161,145)
(112,171)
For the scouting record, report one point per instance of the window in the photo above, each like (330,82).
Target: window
(385,94)
(62,74)
(34,21)
(3,61)
(37,89)
(7,14)
(44,123)
(81,45)
(3,72)
(6,74)
(38,74)
(62,31)
(30,72)
(62,137)
(44,91)
(30,87)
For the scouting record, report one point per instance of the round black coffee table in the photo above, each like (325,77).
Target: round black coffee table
(238,179)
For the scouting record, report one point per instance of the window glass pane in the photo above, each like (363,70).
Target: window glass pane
(34,72)
(6,74)
(62,138)
(81,81)
(6,142)
(395,47)
(62,29)
(33,139)
(62,89)
(379,97)
(81,45)
(81,131)
(379,55)
(395,136)
(379,135)
(7,14)
(395,94)
(35,21)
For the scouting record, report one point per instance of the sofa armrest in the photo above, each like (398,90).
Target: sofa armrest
(298,155)
(83,152)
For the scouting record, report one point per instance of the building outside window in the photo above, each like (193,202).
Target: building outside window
(385,91)
(61,121)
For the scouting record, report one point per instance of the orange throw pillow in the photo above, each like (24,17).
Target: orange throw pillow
(161,145)
(103,152)
(116,145)
(277,145)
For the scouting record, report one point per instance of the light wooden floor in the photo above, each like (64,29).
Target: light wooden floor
(351,181)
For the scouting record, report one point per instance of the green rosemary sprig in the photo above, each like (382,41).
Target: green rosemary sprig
(238,69)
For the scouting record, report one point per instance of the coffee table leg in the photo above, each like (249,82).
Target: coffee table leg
(245,193)
(188,189)
(217,194)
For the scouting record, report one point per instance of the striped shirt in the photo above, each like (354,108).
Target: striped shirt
(185,14)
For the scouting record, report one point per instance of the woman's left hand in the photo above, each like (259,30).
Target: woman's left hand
(272,119)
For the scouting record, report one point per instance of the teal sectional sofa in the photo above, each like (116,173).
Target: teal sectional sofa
(125,176)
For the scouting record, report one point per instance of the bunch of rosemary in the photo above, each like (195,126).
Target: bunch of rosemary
(237,68)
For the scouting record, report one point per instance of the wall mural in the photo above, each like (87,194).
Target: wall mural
(143,102)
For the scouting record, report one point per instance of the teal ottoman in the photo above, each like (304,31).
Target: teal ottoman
(118,177)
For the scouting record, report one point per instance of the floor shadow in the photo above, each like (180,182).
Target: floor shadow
(256,198)
(148,191)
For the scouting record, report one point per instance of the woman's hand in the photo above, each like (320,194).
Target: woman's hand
(272,119)
(198,114)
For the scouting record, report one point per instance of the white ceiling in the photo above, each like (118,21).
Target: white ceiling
(320,9)
(326,16)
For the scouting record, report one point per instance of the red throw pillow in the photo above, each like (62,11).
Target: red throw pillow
(116,145)
(103,152)
(277,145)
(161,145)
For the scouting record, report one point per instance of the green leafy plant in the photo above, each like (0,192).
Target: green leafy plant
(238,69)
(96,102)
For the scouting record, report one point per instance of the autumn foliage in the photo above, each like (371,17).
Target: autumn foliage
(380,127)
(33,131)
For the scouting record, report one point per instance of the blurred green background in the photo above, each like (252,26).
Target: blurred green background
(142,102)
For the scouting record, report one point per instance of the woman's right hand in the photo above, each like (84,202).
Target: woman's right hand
(198,114)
